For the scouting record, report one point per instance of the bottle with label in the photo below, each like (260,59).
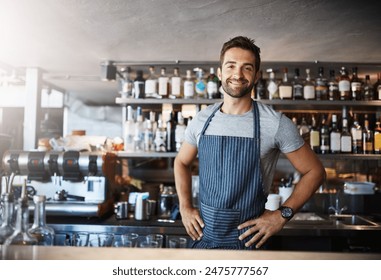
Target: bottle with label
(200,85)
(272,86)
(335,136)
(213,85)
(40,230)
(377,138)
(160,136)
(356,132)
(148,137)
(139,131)
(344,85)
(179,131)
(377,88)
(176,84)
(189,86)
(324,136)
(163,81)
(367,92)
(285,87)
(346,138)
(21,236)
(171,126)
(297,85)
(129,131)
(309,87)
(8,205)
(139,85)
(367,137)
(356,85)
(126,85)
(315,136)
(321,86)
(260,88)
(151,83)
(333,87)
(304,130)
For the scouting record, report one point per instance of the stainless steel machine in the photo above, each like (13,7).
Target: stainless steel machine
(72,181)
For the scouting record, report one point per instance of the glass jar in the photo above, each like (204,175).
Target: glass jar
(7,228)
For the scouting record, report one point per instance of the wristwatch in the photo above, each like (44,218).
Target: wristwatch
(286,212)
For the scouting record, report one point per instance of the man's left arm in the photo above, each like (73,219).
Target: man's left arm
(309,166)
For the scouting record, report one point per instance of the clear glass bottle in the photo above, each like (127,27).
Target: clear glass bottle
(367,137)
(21,236)
(377,138)
(356,85)
(40,230)
(126,85)
(7,227)
(176,84)
(297,85)
(129,131)
(171,126)
(367,92)
(139,85)
(377,88)
(333,87)
(163,81)
(200,85)
(324,136)
(189,86)
(179,131)
(344,85)
(304,130)
(151,83)
(160,140)
(309,87)
(260,88)
(356,131)
(314,136)
(335,136)
(272,86)
(321,86)
(212,85)
(346,138)
(285,87)
(139,131)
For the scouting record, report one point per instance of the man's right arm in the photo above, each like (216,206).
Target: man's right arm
(183,179)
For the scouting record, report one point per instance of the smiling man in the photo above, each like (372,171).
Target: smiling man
(238,143)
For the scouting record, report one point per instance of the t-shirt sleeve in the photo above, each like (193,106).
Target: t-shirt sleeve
(191,133)
(287,137)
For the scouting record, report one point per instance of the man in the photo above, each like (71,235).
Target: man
(238,143)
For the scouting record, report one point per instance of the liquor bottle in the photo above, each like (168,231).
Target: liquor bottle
(272,86)
(212,85)
(377,138)
(171,126)
(285,87)
(151,83)
(297,85)
(260,88)
(314,136)
(335,136)
(356,132)
(344,85)
(129,131)
(333,87)
(6,229)
(367,91)
(163,81)
(21,236)
(355,85)
(308,87)
(139,131)
(176,84)
(148,137)
(304,130)
(367,137)
(200,85)
(139,85)
(346,138)
(179,131)
(160,140)
(324,136)
(126,85)
(321,86)
(40,230)
(377,88)
(189,86)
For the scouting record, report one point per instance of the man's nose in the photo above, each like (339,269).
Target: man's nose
(238,73)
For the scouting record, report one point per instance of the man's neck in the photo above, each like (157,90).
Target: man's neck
(236,106)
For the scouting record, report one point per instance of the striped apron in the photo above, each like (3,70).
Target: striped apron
(231,190)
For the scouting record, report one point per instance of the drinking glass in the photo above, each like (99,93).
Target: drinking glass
(159,238)
(120,241)
(178,242)
(132,237)
(149,244)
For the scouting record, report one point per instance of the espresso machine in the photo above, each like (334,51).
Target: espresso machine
(72,181)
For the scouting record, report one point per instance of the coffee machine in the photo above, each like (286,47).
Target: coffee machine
(72,181)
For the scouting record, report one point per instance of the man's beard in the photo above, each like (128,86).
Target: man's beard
(243,91)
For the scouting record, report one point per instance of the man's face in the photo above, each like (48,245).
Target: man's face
(238,73)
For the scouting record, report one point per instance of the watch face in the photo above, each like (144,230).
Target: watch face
(287,212)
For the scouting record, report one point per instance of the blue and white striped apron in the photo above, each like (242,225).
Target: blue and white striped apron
(231,190)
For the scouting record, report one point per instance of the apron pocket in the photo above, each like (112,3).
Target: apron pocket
(220,224)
